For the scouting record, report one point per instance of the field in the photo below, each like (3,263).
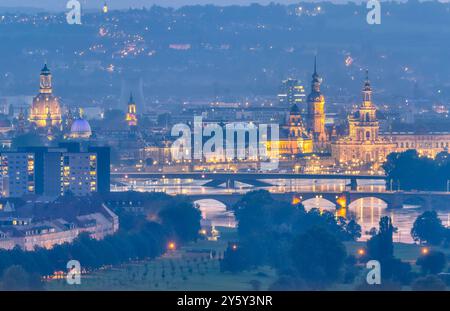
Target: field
(190,268)
(194,268)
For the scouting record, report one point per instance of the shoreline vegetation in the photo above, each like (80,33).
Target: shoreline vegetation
(277,245)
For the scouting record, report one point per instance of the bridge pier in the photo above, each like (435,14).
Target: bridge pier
(396,202)
(230,184)
(353,184)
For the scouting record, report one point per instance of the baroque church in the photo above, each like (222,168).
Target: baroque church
(363,144)
(45,110)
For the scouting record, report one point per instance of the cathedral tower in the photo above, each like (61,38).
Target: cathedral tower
(131,117)
(363,124)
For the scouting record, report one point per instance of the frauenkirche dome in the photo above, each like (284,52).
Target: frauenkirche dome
(45,110)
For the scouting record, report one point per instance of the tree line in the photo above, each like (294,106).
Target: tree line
(308,252)
(409,171)
(137,239)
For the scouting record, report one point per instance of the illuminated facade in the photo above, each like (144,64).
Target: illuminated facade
(78,173)
(294,139)
(363,145)
(80,128)
(17,174)
(291,92)
(316,113)
(52,228)
(131,117)
(55,171)
(426,144)
(45,110)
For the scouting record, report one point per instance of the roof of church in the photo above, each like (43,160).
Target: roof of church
(45,70)
(81,126)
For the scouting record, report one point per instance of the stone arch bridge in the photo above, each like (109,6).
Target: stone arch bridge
(393,199)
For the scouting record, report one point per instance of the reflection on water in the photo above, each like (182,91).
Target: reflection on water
(367,211)
(214,213)
(191,186)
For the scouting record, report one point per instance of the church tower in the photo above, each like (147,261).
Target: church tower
(363,124)
(316,112)
(131,117)
(45,110)
(295,123)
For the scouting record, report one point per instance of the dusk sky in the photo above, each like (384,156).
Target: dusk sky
(121,4)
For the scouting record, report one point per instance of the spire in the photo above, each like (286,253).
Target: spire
(367,90)
(45,70)
(315,64)
(367,86)
(316,80)
(131,98)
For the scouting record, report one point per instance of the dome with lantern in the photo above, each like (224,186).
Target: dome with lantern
(80,128)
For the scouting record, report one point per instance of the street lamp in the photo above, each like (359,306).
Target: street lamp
(425,250)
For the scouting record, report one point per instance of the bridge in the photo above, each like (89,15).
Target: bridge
(393,199)
(252,178)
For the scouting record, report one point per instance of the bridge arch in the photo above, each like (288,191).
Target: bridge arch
(359,201)
(318,202)
(215,212)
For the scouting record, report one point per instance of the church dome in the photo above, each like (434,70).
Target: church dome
(45,110)
(80,129)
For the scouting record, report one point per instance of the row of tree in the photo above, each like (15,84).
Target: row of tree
(308,252)
(410,171)
(138,239)
(269,229)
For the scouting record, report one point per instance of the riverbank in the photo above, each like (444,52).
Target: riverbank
(196,267)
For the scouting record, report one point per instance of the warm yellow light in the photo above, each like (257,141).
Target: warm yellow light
(361,252)
(296,200)
(425,250)
(172,246)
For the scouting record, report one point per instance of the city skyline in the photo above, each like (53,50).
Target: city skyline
(57,5)
(253,149)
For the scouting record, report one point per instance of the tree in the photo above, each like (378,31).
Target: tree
(351,228)
(318,257)
(433,262)
(184,219)
(428,228)
(234,259)
(411,171)
(381,247)
(15,278)
(428,283)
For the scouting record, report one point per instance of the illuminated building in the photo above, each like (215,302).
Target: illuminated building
(363,145)
(131,117)
(20,227)
(45,110)
(294,139)
(80,128)
(54,171)
(17,173)
(105,8)
(429,144)
(316,113)
(291,93)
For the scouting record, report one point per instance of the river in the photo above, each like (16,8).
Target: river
(367,211)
